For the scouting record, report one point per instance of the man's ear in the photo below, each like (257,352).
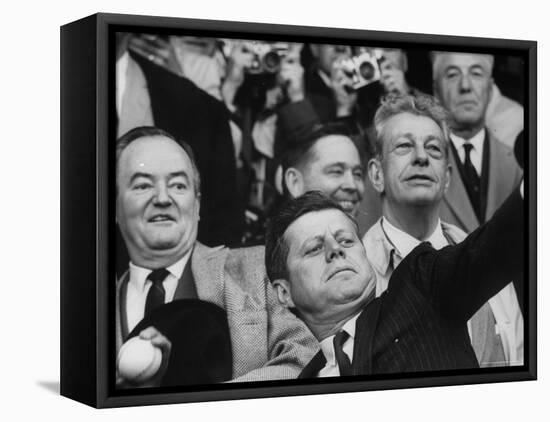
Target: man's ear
(282,290)
(376,175)
(294,182)
(435,90)
(448,175)
(491,88)
(198,206)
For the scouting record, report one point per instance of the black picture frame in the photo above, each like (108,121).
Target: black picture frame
(87,209)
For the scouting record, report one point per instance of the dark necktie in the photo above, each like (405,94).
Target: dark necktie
(341,358)
(155,297)
(472,181)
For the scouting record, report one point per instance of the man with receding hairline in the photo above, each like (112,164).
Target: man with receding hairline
(411,172)
(157,211)
(485,169)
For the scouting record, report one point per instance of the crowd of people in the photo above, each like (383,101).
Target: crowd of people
(342,210)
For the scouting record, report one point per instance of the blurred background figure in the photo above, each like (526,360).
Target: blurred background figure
(151,90)
(504,117)
(485,170)
(243,104)
(393,67)
(133,103)
(326,159)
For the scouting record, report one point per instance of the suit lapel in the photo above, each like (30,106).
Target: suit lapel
(207,266)
(457,199)
(186,288)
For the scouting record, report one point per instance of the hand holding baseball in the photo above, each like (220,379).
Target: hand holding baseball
(143,359)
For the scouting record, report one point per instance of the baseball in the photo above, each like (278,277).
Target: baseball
(138,360)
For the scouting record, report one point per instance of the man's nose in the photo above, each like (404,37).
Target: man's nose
(348,181)
(333,250)
(420,155)
(162,198)
(465,83)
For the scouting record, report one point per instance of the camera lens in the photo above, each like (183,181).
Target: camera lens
(272,62)
(367,70)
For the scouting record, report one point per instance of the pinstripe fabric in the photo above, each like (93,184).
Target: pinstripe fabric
(380,255)
(268,342)
(419,322)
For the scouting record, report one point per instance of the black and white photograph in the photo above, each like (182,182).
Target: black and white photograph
(284,210)
(312,210)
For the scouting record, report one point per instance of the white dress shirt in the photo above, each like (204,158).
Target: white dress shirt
(327,346)
(404,243)
(476,154)
(504,305)
(138,287)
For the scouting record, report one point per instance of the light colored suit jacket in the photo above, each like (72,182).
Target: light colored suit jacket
(268,342)
(136,105)
(504,117)
(504,176)
(505,306)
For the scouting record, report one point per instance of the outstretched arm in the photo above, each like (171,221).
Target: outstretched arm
(459,279)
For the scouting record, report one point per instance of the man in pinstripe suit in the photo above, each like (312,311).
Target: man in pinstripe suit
(318,265)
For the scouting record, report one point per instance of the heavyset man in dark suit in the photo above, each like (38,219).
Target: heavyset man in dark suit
(317,263)
(158,204)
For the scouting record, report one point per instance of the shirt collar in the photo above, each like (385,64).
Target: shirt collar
(476,141)
(404,243)
(327,344)
(138,275)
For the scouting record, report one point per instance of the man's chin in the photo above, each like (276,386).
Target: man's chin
(467,118)
(162,243)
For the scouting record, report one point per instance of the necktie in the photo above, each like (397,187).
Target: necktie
(341,358)
(472,179)
(155,297)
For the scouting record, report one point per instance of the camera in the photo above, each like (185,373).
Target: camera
(267,56)
(363,69)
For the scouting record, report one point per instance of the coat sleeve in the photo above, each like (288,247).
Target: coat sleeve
(290,344)
(459,279)
(271,342)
